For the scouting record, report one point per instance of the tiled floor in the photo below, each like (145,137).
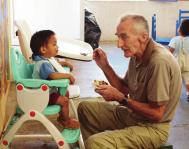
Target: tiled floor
(85,73)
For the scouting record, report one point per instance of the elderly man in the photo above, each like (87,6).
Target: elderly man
(153,83)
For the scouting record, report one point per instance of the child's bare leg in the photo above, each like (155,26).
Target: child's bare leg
(64,103)
(67,94)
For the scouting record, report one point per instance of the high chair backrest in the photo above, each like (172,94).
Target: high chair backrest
(24,35)
(30,96)
(20,68)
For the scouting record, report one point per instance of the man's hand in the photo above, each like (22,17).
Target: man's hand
(110,93)
(100,58)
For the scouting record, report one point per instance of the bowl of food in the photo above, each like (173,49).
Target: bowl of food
(96,83)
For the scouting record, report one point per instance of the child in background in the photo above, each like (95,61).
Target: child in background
(179,46)
(44,46)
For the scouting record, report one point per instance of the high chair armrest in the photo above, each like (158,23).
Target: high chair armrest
(38,82)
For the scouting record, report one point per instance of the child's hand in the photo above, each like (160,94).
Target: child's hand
(72,80)
(70,66)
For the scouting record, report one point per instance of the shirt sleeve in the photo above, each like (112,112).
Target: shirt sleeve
(176,43)
(45,70)
(172,43)
(159,83)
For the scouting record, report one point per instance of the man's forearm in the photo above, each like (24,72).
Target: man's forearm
(145,109)
(115,80)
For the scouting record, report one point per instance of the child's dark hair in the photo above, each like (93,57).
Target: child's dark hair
(40,39)
(184,27)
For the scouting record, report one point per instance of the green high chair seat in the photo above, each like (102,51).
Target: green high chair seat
(50,110)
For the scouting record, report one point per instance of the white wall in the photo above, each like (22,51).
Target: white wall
(107,12)
(64,17)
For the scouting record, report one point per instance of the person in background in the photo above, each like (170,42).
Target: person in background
(147,95)
(44,46)
(179,46)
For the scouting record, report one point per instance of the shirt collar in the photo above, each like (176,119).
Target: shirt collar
(146,55)
(38,58)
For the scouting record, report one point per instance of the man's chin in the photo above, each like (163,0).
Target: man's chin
(126,54)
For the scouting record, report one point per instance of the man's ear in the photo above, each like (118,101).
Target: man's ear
(43,50)
(143,36)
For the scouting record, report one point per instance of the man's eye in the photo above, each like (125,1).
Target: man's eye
(124,37)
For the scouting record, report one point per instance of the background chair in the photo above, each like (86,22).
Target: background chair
(32,98)
(163,41)
(183,14)
(67,47)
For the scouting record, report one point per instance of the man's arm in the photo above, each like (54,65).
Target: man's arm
(115,80)
(148,110)
(110,93)
(101,60)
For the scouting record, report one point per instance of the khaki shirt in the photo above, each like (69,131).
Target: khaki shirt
(155,80)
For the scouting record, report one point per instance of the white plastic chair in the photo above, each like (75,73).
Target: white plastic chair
(67,47)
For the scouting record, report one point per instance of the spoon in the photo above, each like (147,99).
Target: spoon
(85,54)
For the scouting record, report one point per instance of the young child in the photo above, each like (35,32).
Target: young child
(179,46)
(44,47)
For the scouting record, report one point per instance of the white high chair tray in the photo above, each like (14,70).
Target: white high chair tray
(71,49)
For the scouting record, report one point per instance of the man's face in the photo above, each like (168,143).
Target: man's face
(128,41)
(52,47)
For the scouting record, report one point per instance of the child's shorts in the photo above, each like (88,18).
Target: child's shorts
(53,98)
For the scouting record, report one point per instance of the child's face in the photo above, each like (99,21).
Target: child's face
(51,49)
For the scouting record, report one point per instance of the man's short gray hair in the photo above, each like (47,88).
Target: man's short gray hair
(140,24)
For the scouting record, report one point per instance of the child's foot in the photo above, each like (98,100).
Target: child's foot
(70,124)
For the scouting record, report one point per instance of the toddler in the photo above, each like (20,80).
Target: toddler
(44,47)
(179,46)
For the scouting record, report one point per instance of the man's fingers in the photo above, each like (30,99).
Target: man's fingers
(96,53)
(103,86)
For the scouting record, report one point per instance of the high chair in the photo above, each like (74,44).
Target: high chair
(69,48)
(32,99)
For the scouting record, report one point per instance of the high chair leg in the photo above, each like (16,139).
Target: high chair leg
(73,108)
(80,140)
(34,115)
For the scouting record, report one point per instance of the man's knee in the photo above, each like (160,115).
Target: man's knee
(80,106)
(94,142)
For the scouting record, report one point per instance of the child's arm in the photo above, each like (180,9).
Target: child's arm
(64,63)
(57,75)
(171,50)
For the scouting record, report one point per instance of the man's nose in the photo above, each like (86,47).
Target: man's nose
(119,43)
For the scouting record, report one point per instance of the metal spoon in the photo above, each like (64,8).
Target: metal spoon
(85,54)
